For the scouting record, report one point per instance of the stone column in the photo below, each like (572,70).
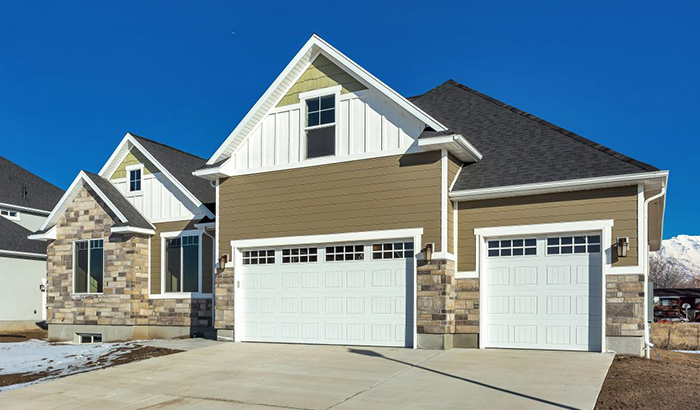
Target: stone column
(435,304)
(467,313)
(624,314)
(223,304)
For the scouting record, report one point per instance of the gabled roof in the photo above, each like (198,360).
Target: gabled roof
(127,217)
(181,164)
(20,187)
(517,147)
(174,164)
(296,67)
(14,238)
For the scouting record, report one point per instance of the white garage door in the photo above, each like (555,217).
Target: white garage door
(543,292)
(345,293)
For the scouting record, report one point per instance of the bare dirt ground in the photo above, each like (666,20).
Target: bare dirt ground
(637,383)
(23,335)
(129,355)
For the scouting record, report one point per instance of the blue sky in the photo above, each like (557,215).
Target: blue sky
(75,76)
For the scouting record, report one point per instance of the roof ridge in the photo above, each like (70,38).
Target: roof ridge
(563,131)
(166,146)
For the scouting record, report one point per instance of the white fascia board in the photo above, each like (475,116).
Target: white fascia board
(555,186)
(24,208)
(132,229)
(18,254)
(455,143)
(116,154)
(206,225)
(558,227)
(211,173)
(49,235)
(316,42)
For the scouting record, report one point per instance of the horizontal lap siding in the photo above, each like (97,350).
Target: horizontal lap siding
(368,195)
(207,251)
(619,204)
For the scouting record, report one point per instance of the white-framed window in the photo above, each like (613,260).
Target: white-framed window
(345,253)
(512,247)
(259,257)
(88,266)
(320,123)
(299,255)
(134,175)
(88,338)
(182,263)
(569,245)
(394,250)
(9,214)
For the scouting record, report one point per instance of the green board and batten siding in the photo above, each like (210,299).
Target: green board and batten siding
(322,73)
(134,157)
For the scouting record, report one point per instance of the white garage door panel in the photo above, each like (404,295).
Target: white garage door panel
(364,302)
(543,301)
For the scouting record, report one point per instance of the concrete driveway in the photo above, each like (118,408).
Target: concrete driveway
(268,376)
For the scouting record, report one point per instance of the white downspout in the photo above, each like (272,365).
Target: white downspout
(647,341)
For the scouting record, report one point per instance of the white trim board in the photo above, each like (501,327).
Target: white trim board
(4,252)
(24,208)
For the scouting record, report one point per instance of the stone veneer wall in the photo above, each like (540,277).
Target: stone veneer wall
(624,308)
(124,300)
(436,303)
(223,300)
(467,306)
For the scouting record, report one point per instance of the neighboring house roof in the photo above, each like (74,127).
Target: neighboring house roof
(517,147)
(111,193)
(180,165)
(678,292)
(22,188)
(14,238)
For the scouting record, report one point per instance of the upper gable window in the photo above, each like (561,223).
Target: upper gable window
(320,126)
(135,179)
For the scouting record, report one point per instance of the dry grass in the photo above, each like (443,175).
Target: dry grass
(676,336)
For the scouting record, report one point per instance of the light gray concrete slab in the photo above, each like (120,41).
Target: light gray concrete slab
(179,344)
(264,376)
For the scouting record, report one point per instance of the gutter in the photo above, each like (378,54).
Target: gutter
(647,338)
(555,186)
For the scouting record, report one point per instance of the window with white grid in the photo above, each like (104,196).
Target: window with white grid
(512,247)
(259,257)
(394,250)
(568,245)
(299,255)
(345,253)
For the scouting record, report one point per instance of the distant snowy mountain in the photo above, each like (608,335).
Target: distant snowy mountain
(683,250)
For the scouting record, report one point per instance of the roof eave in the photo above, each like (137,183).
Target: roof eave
(556,186)
(456,144)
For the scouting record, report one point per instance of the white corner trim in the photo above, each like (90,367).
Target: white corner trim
(555,186)
(559,227)
(132,229)
(441,255)
(444,197)
(22,254)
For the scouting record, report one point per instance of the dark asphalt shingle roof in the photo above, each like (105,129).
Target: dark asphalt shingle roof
(181,165)
(517,147)
(14,237)
(40,194)
(134,217)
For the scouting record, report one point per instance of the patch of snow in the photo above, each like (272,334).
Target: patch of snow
(37,356)
(688,351)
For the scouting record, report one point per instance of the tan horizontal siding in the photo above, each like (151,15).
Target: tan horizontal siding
(619,204)
(375,194)
(207,251)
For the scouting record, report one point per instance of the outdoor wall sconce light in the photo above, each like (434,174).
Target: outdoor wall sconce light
(428,251)
(622,245)
(222,261)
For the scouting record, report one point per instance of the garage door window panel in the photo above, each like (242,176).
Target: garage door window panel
(299,255)
(259,257)
(340,253)
(570,245)
(512,247)
(395,250)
